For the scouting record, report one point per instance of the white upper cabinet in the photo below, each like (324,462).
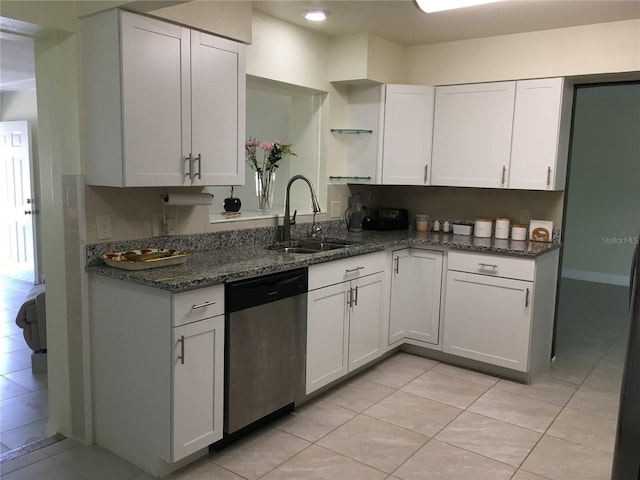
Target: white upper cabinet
(541,126)
(472,135)
(163,105)
(389,139)
(408,127)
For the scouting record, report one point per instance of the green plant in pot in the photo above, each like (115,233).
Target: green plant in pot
(231,203)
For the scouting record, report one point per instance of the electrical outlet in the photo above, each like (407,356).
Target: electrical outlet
(103,227)
(156,225)
(336,209)
(525,216)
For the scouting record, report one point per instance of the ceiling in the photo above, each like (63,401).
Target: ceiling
(398,21)
(401,22)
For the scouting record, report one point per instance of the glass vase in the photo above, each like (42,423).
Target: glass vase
(265,184)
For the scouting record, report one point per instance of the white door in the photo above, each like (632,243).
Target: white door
(217,106)
(156,102)
(408,129)
(415,296)
(197,385)
(365,322)
(472,135)
(536,134)
(327,323)
(17,224)
(488,319)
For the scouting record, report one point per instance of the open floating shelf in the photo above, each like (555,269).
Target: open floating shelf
(350,130)
(333,177)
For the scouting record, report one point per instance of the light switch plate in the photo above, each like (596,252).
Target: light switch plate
(156,225)
(103,227)
(336,211)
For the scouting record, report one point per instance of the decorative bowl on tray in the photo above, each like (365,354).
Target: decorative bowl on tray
(145,258)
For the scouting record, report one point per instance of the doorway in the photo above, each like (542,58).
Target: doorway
(601,222)
(24,394)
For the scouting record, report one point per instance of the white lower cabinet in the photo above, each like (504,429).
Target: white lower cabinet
(198,371)
(344,320)
(488,319)
(499,310)
(416,285)
(158,372)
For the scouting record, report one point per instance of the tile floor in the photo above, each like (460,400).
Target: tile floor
(413,418)
(23,395)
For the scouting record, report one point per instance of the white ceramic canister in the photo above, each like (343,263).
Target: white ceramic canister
(482,228)
(519,232)
(502,228)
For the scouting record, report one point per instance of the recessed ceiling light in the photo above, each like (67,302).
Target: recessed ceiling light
(315,15)
(431,6)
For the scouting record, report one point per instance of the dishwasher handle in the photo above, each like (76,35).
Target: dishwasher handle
(256,291)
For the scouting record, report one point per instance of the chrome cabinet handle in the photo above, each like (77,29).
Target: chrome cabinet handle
(548,176)
(487,265)
(181,356)
(526,299)
(202,305)
(504,174)
(189,159)
(351,270)
(355,301)
(426,170)
(349,295)
(397,264)
(199,160)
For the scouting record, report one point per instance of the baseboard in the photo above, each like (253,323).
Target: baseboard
(596,277)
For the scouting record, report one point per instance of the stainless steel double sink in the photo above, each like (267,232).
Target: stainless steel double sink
(311,245)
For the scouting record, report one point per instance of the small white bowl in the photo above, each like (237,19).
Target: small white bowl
(460,229)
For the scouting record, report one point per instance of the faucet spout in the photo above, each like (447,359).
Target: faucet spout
(286,232)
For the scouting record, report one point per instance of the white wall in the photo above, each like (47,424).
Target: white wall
(591,49)
(603,197)
(287,53)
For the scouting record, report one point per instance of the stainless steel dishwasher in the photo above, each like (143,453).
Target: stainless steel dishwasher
(265,348)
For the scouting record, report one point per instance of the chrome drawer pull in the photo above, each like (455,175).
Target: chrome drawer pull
(351,270)
(526,299)
(397,264)
(202,305)
(181,356)
(487,265)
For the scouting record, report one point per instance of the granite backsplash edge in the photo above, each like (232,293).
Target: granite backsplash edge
(210,241)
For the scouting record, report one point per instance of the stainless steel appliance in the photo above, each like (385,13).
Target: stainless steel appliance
(265,343)
(388,219)
(626,457)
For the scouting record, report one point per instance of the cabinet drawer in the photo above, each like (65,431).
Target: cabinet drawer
(494,265)
(338,271)
(195,305)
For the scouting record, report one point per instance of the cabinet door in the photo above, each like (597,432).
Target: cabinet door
(155,101)
(327,347)
(198,384)
(217,106)
(536,144)
(415,296)
(488,319)
(365,321)
(408,127)
(472,135)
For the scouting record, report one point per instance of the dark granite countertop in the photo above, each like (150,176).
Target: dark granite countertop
(208,267)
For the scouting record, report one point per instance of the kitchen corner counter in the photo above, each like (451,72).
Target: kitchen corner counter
(214,266)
